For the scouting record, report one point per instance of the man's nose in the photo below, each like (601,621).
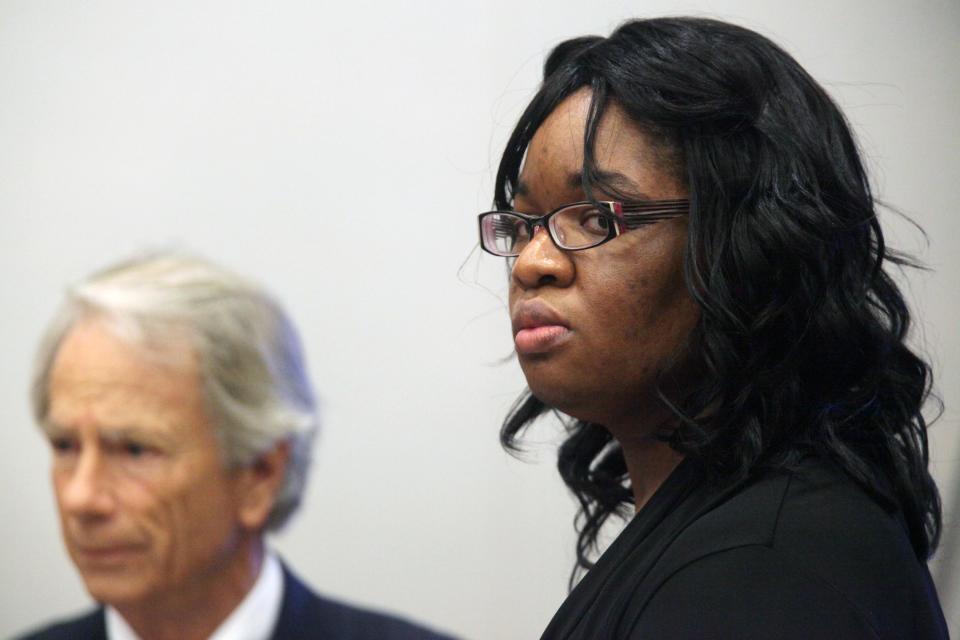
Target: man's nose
(87,490)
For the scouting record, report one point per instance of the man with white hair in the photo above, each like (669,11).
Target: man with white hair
(177,404)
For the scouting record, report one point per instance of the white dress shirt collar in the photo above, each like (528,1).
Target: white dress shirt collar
(253,619)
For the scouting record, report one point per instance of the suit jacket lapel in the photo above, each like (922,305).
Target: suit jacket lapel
(298,602)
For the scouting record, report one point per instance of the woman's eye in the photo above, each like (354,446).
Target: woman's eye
(595,222)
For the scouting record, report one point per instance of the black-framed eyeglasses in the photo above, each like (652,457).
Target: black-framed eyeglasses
(575,226)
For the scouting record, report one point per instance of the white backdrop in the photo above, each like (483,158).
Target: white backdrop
(338,153)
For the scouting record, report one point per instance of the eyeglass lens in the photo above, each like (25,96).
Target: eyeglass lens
(574,227)
(580,226)
(505,234)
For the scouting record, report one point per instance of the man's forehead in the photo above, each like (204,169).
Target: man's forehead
(86,388)
(99,378)
(113,405)
(95,345)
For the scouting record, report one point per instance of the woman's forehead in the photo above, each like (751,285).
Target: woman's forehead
(627,158)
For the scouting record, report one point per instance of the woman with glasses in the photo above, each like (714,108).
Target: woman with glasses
(698,282)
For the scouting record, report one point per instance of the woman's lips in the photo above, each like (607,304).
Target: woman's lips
(538,327)
(540,339)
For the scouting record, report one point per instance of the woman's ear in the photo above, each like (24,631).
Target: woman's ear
(259,485)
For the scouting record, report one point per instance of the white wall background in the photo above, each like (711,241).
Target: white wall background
(338,152)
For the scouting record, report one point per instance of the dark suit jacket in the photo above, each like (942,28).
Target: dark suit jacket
(805,554)
(303,615)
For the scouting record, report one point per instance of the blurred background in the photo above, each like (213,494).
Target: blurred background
(338,153)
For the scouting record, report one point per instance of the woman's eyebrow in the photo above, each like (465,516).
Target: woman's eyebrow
(622,183)
(619,181)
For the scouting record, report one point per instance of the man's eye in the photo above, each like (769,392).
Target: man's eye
(134,449)
(62,446)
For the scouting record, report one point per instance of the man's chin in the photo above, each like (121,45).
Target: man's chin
(116,590)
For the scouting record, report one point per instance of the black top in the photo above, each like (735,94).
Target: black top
(303,615)
(790,554)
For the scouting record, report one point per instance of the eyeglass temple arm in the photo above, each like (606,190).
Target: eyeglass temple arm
(636,214)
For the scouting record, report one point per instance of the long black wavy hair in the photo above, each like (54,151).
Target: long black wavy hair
(801,335)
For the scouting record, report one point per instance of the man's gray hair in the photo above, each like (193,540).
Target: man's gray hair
(252,367)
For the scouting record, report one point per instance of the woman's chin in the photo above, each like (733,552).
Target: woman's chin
(575,402)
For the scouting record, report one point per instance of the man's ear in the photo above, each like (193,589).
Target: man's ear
(259,485)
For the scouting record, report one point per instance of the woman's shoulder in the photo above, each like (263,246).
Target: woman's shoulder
(804,549)
(811,511)
(810,508)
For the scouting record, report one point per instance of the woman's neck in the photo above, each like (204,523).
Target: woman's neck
(648,467)
(649,459)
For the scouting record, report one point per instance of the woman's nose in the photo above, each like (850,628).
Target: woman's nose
(542,263)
